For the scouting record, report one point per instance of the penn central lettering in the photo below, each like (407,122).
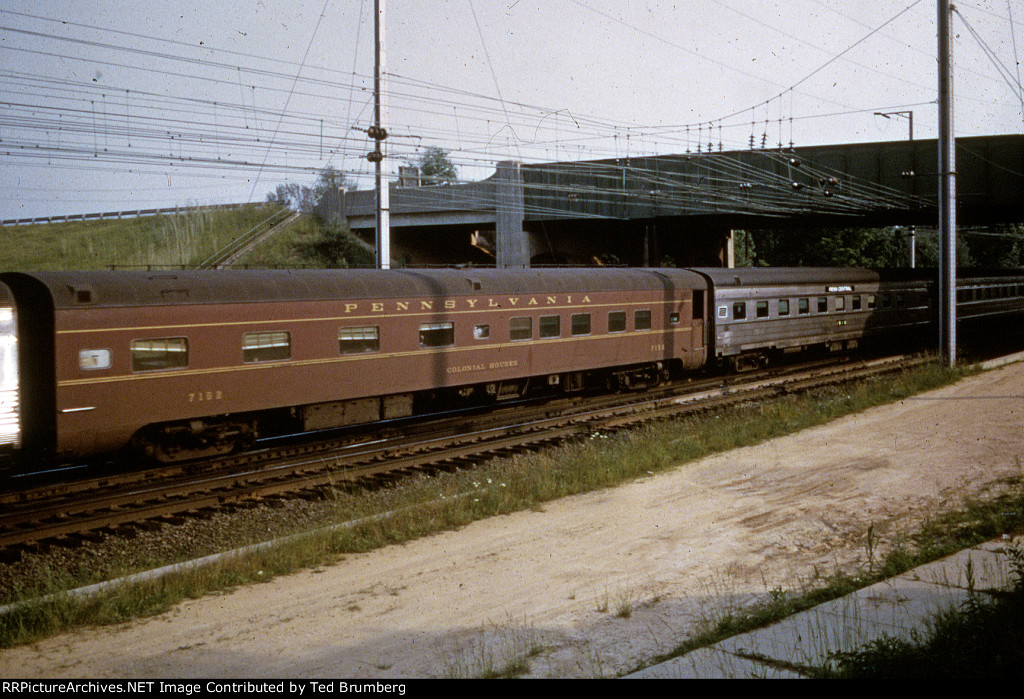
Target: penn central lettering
(464,304)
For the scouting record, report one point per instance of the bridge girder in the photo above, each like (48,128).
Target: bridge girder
(650,206)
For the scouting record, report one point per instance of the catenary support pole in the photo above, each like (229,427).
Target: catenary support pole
(947,190)
(379,118)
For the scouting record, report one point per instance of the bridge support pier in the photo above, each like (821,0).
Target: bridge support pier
(513,248)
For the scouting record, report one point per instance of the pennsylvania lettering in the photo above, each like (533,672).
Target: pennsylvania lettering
(466,304)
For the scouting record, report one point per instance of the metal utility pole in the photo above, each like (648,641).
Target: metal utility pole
(378,133)
(947,190)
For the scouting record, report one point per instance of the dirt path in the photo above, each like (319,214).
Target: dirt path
(596,582)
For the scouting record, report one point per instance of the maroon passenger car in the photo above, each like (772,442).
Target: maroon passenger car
(185,364)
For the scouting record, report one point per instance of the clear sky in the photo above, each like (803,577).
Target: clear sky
(119,104)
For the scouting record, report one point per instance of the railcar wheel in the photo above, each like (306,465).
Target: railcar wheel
(639,378)
(750,361)
(195,439)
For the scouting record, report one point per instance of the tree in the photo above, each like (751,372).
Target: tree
(296,196)
(332,179)
(305,199)
(436,167)
(744,249)
(999,246)
(829,247)
(928,250)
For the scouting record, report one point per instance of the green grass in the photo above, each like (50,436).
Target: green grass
(983,639)
(432,504)
(179,240)
(310,243)
(288,248)
(184,239)
(496,652)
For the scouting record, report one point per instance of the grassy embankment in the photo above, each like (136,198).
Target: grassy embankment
(448,501)
(171,240)
(310,243)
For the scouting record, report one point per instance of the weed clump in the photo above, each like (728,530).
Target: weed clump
(983,639)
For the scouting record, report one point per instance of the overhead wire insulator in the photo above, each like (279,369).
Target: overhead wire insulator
(377,133)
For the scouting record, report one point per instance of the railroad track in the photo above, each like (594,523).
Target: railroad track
(106,502)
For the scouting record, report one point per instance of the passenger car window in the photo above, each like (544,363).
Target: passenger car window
(822,304)
(855,304)
(359,340)
(161,353)
(739,310)
(581,324)
(642,320)
(520,328)
(762,309)
(840,303)
(481,332)
(266,347)
(803,306)
(550,326)
(437,334)
(616,321)
(784,307)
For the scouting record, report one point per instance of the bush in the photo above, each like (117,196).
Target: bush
(339,248)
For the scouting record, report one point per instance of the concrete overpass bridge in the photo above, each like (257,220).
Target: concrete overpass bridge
(684,206)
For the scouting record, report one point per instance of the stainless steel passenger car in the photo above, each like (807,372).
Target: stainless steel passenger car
(758,312)
(990,295)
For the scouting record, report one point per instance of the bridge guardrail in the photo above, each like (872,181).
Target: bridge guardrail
(102,216)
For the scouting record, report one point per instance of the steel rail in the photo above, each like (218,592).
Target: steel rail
(83,510)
